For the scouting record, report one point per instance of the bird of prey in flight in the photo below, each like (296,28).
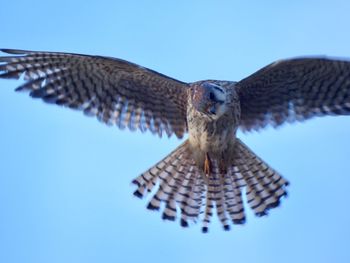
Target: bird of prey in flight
(209,169)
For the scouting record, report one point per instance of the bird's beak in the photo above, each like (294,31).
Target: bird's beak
(212,109)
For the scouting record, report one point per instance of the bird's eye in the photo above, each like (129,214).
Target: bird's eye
(212,96)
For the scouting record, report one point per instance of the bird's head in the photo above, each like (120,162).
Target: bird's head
(209,99)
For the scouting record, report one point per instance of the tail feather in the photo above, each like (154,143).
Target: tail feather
(191,207)
(197,197)
(208,213)
(216,195)
(170,211)
(233,199)
(186,191)
(167,187)
(148,179)
(163,172)
(184,199)
(265,186)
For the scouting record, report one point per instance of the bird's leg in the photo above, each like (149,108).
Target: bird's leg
(207,165)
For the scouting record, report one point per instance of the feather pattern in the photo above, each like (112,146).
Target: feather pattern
(186,192)
(294,90)
(117,92)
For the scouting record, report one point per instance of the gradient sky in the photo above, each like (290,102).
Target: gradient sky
(65,179)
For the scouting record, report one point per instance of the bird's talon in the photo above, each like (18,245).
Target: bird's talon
(207,165)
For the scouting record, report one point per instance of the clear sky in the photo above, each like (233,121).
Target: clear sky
(65,179)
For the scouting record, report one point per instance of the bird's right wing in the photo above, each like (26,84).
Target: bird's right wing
(116,91)
(294,90)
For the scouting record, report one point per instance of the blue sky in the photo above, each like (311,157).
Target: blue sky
(65,179)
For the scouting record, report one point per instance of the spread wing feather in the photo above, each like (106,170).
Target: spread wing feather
(116,91)
(294,90)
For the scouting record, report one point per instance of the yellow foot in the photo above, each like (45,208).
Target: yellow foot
(207,165)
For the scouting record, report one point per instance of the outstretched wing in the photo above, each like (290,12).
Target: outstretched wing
(294,90)
(116,91)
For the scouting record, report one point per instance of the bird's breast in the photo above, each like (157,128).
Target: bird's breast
(207,136)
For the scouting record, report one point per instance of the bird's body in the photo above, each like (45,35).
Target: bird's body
(209,169)
(213,137)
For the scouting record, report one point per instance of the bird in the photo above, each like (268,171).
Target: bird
(211,169)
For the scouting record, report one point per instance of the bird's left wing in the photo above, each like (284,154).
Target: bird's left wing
(294,90)
(116,91)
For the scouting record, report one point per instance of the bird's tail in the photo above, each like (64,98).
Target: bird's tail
(180,185)
(183,187)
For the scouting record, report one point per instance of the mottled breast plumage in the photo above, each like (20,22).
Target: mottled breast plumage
(211,132)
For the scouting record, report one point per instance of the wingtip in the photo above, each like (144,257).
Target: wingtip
(13,51)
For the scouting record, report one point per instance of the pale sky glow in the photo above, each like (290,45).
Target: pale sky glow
(65,186)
